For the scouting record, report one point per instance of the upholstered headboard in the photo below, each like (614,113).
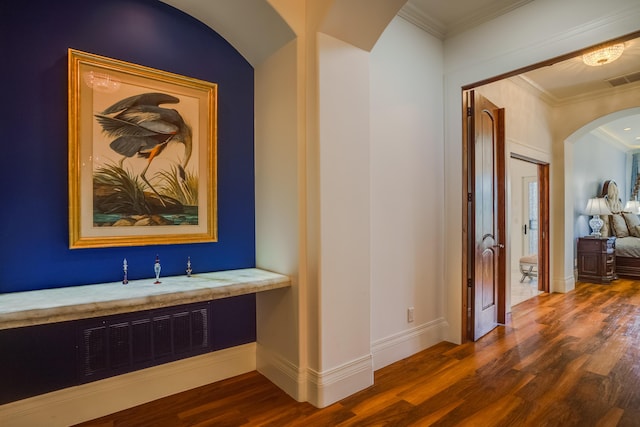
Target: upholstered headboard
(620,223)
(611,194)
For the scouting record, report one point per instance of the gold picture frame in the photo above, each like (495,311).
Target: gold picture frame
(142,155)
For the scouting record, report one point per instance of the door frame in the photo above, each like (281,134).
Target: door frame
(543,220)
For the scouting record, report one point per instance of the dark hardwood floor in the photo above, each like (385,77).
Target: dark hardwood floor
(562,360)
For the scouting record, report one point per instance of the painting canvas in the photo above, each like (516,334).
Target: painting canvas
(142,155)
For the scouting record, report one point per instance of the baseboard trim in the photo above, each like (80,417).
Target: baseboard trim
(406,343)
(564,285)
(88,401)
(282,372)
(327,387)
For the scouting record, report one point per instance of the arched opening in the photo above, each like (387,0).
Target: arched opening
(592,156)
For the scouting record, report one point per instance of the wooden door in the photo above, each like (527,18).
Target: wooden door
(487,267)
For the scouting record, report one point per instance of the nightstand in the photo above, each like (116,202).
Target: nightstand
(596,259)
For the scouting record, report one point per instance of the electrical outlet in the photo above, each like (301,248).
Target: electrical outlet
(409,314)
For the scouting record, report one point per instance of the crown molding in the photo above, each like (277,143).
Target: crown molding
(610,139)
(529,85)
(553,101)
(421,18)
(487,13)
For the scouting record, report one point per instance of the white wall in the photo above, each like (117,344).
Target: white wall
(406,192)
(594,161)
(344,297)
(278,314)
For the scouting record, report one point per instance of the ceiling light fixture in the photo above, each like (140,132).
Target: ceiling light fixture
(603,55)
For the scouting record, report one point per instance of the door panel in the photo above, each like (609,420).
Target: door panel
(487,172)
(488,289)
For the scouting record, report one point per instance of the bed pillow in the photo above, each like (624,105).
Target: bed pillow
(619,226)
(605,231)
(633,223)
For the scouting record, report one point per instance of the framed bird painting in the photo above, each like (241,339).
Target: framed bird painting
(142,155)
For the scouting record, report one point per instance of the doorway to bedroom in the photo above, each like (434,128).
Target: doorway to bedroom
(548,101)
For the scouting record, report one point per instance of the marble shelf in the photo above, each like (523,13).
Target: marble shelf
(30,308)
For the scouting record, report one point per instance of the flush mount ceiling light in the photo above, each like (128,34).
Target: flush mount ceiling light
(603,55)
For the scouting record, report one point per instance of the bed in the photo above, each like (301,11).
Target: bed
(625,226)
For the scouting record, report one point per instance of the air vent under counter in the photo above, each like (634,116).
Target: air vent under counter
(121,343)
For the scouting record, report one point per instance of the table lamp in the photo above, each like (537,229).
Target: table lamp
(632,206)
(596,207)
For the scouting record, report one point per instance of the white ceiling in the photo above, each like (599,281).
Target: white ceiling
(571,79)
(561,82)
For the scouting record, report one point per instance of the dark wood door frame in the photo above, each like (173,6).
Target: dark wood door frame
(543,220)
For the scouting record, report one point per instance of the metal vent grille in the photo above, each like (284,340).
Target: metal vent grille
(141,342)
(119,345)
(623,80)
(200,328)
(124,343)
(182,333)
(162,335)
(95,355)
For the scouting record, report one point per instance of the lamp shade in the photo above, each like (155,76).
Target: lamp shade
(597,206)
(632,206)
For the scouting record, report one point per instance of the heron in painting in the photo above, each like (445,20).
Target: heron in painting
(140,126)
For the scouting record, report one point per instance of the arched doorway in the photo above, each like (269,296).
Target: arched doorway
(593,156)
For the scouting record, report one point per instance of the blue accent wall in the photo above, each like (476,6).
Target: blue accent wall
(34,38)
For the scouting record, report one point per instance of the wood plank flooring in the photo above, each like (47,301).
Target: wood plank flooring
(562,360)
